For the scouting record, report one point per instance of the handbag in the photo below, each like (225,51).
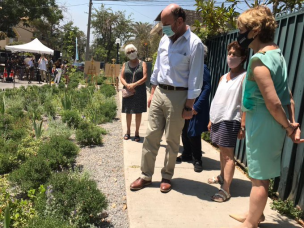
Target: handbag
(127,93)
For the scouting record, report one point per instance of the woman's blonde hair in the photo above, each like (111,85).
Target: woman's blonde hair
(130,47)
(259,17)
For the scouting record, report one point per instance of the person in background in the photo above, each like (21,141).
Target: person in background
(42,65)
(192,131)
(31,67)
(59,67)
(176,83)
(269,108)
(67,73)
(227,123)
(54,72)
(136,104)
(21,65)
(49,69)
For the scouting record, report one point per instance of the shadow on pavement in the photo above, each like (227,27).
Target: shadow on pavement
(210,164)
(280,222)
(240,188)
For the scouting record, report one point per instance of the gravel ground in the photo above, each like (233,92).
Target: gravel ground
(105,164)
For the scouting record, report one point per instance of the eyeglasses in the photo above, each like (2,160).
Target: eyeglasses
(129,52)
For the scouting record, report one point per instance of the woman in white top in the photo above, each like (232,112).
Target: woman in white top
(226,118)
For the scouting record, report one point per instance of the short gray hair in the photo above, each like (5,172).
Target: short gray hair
(205,51)
(130,47)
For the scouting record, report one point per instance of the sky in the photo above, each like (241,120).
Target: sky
(140,10)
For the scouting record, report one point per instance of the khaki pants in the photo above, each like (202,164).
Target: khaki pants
(43,75)
(165,114)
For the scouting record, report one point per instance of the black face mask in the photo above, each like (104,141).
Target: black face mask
(243,40)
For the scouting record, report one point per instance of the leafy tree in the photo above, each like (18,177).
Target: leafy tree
(278,6)
(109,26)
(68,39)
(216,19)
(47,28)
(141,33)
(15,11)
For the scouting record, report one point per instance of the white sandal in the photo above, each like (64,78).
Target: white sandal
(216,180)
(225,197)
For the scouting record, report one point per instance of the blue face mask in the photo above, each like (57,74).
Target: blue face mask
(168,30)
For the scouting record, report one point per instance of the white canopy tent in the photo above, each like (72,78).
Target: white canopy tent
(34,46)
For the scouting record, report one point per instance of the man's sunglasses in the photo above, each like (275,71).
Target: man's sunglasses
(129,52)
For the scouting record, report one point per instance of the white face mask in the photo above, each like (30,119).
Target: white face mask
(233,61)
(132,56)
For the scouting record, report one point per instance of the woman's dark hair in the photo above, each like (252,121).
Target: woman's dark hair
(179,12)
(236,46)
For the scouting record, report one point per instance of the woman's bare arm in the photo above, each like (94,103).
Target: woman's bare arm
(264,81)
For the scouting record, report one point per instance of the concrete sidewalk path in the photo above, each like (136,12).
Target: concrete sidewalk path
(188,204)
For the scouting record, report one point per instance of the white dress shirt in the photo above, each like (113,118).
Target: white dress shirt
(42,64)
(180,64)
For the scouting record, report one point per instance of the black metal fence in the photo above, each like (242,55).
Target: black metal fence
(290,38)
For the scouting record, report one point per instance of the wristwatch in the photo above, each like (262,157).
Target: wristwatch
(187,109)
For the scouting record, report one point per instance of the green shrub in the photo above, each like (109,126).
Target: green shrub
(71,117)
(48,222)
(88,134)
(6,125)
(206,136)
(31,174)
(57,128)
(28,147)
(16,112)
(61,86)
(35,109)
(101,109)
(287,208)
(81,98)
(73,85)
(20,210)
(107,90)
(108,110)
(75,199)
(49,108)
(8,156)
(2,104)
(59,152)
(13,129)
(17,134)
(100,80)
(54,90)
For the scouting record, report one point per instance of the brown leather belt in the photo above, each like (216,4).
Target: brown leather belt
(168,87)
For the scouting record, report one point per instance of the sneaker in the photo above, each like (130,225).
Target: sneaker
(198,166)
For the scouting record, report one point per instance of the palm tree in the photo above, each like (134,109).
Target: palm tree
(141,33)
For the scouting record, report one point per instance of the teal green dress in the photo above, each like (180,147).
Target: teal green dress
(264,135)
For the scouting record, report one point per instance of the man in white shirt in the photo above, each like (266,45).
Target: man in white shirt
(42,62)
(176,82)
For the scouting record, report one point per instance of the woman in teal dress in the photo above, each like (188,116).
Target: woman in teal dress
(266,101)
